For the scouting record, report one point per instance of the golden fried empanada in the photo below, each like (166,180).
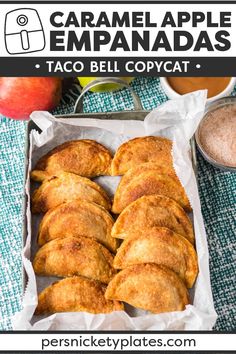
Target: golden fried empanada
(78,218)
(75,256)
(153,210)
(147,180)
(76,294)
(67,187)
(86,158)
(161,246)
(149,287)
(140,150)
(150,166)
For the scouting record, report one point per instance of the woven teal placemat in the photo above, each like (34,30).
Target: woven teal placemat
(217,192)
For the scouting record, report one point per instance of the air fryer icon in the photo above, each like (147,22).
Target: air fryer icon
(23,32)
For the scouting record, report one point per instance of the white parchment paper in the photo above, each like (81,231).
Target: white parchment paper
(176,119)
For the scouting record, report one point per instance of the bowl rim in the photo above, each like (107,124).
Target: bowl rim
(221,102)
(170,91)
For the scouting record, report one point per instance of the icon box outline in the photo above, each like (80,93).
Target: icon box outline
(41,30)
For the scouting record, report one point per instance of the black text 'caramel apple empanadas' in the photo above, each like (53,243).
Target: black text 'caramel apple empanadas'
(67,187)
(140,150)
(78,218)
(161,246)
(75,256)
(152,180)
(149,287)
(76,294)
(153,210)
(86,158)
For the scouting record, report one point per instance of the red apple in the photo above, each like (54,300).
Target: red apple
(20,96)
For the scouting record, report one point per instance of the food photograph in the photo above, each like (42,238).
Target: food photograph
(118,203)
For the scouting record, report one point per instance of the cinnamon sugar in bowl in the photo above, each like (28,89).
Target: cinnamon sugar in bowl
(216,134)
